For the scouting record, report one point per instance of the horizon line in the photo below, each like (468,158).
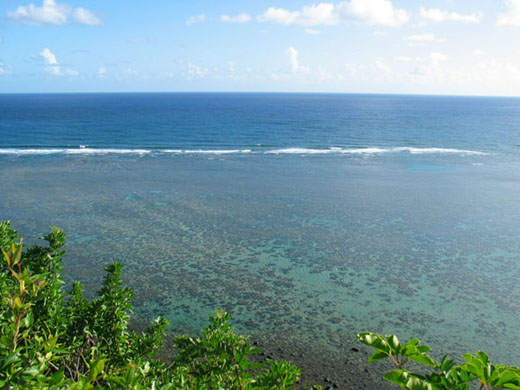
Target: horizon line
(259,92)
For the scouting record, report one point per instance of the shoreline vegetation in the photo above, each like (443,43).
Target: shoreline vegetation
(51,338)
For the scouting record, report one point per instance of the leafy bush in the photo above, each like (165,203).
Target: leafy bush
(444,375)
(51,339)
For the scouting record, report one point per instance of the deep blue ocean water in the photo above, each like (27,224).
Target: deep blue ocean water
(308,216)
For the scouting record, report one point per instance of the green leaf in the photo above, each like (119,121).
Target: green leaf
(28,320)
(484,358)
(399,377)
(374,340)
(507,377)
(57,378)
(424,359)
(378,355)
(9,360)
(394,343)
(96,368)
(413,342)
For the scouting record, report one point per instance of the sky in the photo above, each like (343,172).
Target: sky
(448,47)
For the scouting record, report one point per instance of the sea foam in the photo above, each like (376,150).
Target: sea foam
(83,150)
(80,150)
(202,151)
(374,150)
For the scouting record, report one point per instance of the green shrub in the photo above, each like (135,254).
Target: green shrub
(51,339)
(476,372)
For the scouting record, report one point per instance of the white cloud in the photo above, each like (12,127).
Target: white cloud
(241,18)
(496,71)
(279,15)
(293,58)
(478,52)
(2,68)
(49,57)
(84,16)
(512,15)
(438,15)
(497,76)
(421,38)
(195,72)
(195,19)
(52,65)
(232,72)
(102,71)
(402,59)
(311,31)
(54,70)
(296,67)
(377,12)
(48,13)
(51,13)
(372,12)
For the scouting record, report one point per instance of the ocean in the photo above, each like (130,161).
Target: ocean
(309,217)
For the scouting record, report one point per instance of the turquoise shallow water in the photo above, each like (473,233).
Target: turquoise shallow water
(315,248)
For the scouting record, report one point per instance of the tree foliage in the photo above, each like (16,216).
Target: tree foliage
(477,371)
(54,339)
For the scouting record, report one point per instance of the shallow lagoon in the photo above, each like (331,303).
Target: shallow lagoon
(312,248)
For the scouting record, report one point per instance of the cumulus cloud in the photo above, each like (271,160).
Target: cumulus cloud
(240,18)
(3,70)
(52,65)
(511,16)
(296,67)
(421,38)
(372,12)
(49,57)
(313,15)
(438,15)
(51,13)
(377,12)
(195,19)
(84,16)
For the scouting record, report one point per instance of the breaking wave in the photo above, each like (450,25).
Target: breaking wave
(82,150)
